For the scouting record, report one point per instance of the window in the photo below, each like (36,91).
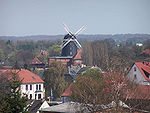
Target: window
(36,87)
(30,96)
(39,87)
(39,96)
(26,87)
(134,68)
(70,52)
(30,87)
(135,77)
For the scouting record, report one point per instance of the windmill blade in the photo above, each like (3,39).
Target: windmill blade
(67,29)
(81,29)
(66,43)
(78,44)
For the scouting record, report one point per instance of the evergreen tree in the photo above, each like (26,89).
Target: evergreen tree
(13,101)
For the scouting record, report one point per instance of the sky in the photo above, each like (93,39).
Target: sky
(45,17)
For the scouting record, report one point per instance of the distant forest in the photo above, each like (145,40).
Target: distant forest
(117,37)
(97,49)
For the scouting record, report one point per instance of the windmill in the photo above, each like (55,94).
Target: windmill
(70,43)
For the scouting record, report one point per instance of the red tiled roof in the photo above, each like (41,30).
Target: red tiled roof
(36,61)
(143,66)
(78,55)
(25,75)
(67,92)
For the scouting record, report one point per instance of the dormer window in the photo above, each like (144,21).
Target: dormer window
(146,73)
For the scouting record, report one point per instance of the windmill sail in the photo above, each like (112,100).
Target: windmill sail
(70,44)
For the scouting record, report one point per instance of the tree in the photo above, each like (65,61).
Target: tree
(54,50)
(88,90)
(95,53)
(12,101)
(120,88)
(100,53)
(2,56)
(87,54)
(16,65)
(54,79)
(95,90)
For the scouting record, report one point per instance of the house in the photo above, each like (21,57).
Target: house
(140,73)
(77,60)
(139,44)
(32,84)
(36,105)
(37,63)
(66,60)
(68,107)
(66,95)
(73,107)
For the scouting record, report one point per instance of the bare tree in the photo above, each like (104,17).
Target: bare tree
(54,79)
(87,54)
(88,90)
(95,90)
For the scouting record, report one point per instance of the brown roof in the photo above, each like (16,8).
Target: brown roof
(67,92)
(78,55)
(25,75)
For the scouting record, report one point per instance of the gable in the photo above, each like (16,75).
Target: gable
(144,69)
(36,61)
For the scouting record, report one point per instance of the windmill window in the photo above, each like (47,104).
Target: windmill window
(146,73)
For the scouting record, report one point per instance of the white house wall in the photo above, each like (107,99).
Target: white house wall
(139,77)
(33,91)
